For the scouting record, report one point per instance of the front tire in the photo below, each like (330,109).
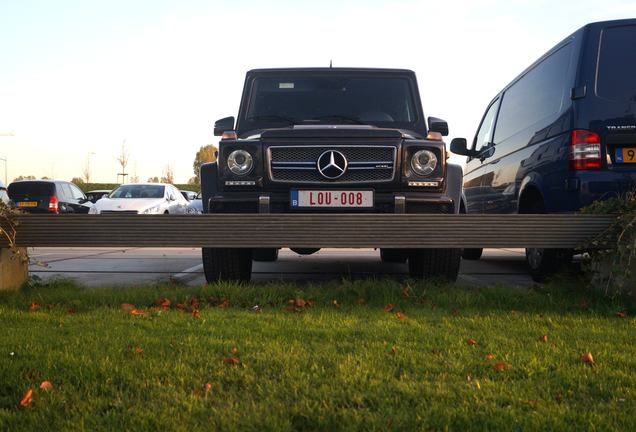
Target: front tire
(225,264)
(435,263)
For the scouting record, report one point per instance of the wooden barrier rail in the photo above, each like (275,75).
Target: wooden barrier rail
(310,230)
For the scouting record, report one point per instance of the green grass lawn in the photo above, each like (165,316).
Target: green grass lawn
(341,363)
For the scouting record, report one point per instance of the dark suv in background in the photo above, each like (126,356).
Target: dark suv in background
(48,196)
(559,136)
(327,140)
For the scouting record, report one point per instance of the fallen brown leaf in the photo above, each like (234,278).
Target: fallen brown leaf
(297,302)
(400,315)
(231,361)
(194,302)
(34,307)
(27,399)
(225,302)
(621,314)
(163,303)
(335,303)
(587,358)
(234,350)
(543,339)
(489,356)
(180,306)
(138,350)
(127,306)
(195,313)
(471,342)
(393,350)
(137,312)
(500,366)
(388,308)
(406,292)
(71,311)
(46,386)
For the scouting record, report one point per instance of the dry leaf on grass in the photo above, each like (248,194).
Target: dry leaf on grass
(587,358)
(543,339)
(400,315)
(231,361)
(621,314)
(471,342)
(46,386)
(406,292)
(195,313)
(137,312)
(388,308)
(34,307)
(127,307)
(489,356)
(501,366)
(163,303)
(27,399)
(335,303)
(393,350)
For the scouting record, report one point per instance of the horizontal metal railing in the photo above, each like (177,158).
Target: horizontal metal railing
(310,230)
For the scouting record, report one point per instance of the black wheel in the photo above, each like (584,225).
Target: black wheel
(265,254)
(434,263)
(472,254)
(394,255)
(543,263)
(227,264)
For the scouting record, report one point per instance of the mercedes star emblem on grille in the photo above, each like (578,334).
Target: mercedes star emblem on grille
(332,164)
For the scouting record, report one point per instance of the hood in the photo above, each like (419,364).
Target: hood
(332,131)
(122,204)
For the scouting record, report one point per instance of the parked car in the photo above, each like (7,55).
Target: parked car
(559,136)
(189,195)
(327,140)
(196,205)
(48,196)
(142,198)
(96,195)
(4,196)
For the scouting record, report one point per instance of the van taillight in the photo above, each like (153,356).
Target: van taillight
(585,150)
(53,204)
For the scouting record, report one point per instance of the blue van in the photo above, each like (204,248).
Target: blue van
(559,136)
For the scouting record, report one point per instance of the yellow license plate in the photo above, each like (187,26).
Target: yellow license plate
(626,155)
(27,204)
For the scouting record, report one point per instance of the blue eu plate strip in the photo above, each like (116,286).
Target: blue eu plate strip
(294,198)
(619,155)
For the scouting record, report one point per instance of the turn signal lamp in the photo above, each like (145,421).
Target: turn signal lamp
(230,135)
(434,136)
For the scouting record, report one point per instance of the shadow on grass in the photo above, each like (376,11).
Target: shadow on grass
(563,296)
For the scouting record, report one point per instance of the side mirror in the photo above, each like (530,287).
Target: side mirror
(459,146)
(437,125)
(223,125)
(171,197)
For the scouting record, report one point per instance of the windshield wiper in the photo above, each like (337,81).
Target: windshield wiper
(274,117)
(342,118)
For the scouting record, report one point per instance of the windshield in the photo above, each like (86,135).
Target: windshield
(138,191)
(326,99)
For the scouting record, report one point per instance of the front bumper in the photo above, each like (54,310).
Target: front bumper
(279,202)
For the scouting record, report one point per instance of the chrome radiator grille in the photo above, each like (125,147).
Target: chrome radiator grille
(365,164)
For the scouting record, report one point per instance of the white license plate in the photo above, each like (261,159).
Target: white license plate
(332,198)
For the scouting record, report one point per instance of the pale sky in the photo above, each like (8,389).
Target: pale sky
(80,77)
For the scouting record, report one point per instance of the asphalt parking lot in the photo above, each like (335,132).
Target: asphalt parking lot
(95,267)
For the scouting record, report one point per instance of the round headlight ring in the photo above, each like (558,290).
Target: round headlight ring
(423,162)
(240,162)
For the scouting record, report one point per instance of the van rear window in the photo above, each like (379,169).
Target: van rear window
(33,188)
(616,78)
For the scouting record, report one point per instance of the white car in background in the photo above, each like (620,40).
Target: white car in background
(142,198)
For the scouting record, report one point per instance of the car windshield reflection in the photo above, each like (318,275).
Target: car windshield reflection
(138,191)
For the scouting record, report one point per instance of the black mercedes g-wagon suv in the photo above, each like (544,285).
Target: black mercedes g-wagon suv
(330,140)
